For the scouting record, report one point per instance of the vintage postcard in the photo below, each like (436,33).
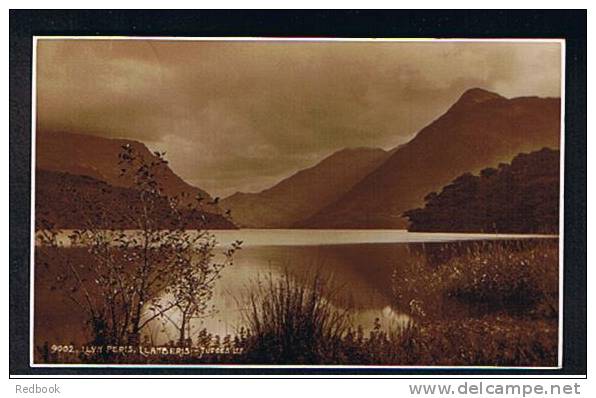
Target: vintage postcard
(314,202)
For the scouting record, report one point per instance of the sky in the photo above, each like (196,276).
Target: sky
(241,116)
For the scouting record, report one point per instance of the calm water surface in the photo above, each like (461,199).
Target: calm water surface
(358,263)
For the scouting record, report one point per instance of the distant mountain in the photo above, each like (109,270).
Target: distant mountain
(304,193)
(74,201)
(481,129)
(97,157)
(519,198)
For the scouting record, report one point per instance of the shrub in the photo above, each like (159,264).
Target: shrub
(292,320)
(495,277)
(486,341)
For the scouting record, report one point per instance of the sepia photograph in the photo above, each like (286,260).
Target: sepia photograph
(313,202)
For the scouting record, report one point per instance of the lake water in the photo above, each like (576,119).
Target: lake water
(358,263)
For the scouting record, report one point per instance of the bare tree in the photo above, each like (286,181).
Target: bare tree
(195,274)
(121,264)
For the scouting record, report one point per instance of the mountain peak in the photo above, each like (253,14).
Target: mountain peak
(483,130)
(477,95)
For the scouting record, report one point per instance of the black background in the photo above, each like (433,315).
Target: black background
(565,24)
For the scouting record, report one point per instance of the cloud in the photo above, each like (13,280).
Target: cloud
(239,115)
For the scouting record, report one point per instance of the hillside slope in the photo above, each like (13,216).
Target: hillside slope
(304,193)
(69,201)
(97,157)
(522,197)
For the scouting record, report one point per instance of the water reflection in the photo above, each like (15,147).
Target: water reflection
(360,274)
(359,269)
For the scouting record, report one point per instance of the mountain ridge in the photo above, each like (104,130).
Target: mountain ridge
(480,129)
